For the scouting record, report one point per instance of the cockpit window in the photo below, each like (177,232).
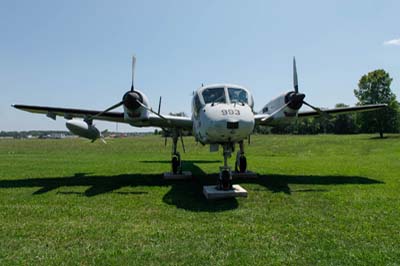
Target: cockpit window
(238,95)
(214,95)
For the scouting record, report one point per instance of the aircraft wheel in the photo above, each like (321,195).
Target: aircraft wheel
(226,180)
(242,164)
(175,164)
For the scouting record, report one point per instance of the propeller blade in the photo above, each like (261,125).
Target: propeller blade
(151,110)
(133,73)
(108,109)
(295,81)
(314,108)
(276,111)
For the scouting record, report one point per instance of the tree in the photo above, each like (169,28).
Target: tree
(374,88)
(344,124)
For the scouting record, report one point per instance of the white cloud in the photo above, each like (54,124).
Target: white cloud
(392,42)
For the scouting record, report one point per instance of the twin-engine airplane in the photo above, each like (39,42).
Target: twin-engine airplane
(222,115)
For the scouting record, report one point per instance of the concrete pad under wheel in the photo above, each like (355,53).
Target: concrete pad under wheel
(184,175)
(211,192)
(247,174)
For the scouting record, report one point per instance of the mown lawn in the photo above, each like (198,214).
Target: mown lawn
(319,200)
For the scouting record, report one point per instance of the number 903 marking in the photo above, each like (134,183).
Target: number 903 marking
(230,112)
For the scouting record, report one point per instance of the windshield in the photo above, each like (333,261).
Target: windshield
(214,95)
(237,95)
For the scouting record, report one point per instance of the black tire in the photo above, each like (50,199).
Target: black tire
(242,164)
(226,180)
(175,164)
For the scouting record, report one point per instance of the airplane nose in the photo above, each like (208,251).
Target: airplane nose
(225,123)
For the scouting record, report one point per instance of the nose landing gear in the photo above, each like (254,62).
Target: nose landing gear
(225,175)
(224,187)
(176,164)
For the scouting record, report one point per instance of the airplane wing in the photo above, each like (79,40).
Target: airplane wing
(270,119)
(70,113)
(342,110)
(167,121)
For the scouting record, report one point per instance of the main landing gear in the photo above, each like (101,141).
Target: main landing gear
(241,161)
(176,164)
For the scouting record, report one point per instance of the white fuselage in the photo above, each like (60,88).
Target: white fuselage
(222,118)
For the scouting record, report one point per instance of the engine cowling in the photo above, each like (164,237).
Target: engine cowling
(294,101)
(133,105)
(132,100)
(83,129)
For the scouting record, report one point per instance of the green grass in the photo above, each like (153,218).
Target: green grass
(319,200)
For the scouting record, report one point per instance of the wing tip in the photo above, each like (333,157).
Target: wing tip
(18,106)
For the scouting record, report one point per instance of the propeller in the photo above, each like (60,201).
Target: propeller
(296,99)
(128,97)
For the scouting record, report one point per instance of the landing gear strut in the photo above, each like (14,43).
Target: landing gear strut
(241,161)
(225,174)
(224,187)
(176,164)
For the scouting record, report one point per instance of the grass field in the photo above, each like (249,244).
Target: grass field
(319,200)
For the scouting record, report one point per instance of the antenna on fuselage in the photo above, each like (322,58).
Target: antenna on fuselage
(159,106)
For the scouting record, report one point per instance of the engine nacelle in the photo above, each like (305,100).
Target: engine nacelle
(274,104)
(83,129)
(294,101)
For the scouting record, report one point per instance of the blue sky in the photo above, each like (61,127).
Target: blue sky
(77,53)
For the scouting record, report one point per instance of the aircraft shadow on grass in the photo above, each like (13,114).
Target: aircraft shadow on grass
(185,194)
(384,137)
